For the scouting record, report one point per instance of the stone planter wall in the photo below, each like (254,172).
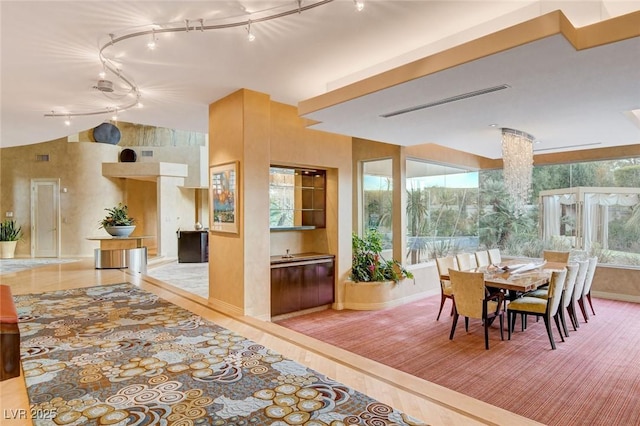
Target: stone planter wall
(366,296)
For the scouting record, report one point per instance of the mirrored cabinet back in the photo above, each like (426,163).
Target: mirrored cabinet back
(297,198)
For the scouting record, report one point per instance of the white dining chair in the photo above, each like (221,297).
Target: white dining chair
(494,256)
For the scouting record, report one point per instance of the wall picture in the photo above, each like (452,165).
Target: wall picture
(223,196)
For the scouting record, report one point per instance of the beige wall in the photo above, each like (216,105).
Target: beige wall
(248,127)
(88,193)
(85,193)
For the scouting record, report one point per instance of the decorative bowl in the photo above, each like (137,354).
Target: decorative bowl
(120,231)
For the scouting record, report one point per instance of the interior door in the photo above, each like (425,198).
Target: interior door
(45,218)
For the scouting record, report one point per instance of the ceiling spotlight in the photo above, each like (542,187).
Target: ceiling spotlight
(104,86)
(102,74)
(250,35)
(152,43)
(359,5)
(67,122)
(140,105)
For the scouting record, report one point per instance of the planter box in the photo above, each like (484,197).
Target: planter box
(370,296)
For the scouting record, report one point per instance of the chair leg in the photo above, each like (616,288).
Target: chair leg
(557,321)
(571,310)
(547,324)
(511,319)
(466,324)
(502,326)
(582,308)
(590,303)
(442,299)
(563,320)
(453,324)
(486,334)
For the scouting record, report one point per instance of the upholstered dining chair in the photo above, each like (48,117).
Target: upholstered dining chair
(583,268)
(556,256)
(546,308)
(494,256)
(466,261)
(472,300)
(446,292)
(567,294)
(586,291)
(482,258)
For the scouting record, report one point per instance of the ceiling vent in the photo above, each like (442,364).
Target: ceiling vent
(446,100)
(104,86)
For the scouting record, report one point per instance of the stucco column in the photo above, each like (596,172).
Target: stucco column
(239,267)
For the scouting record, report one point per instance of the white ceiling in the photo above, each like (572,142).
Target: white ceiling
(50,62)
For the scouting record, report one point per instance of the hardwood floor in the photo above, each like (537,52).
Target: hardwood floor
(424,400)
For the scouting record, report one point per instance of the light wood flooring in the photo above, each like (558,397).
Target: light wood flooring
(429,402)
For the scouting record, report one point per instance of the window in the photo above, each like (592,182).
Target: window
(573,206)
(442,210)
(377,199)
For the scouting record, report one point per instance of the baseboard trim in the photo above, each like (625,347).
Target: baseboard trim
(616,296)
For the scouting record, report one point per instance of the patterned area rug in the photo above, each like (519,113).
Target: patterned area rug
(15,265)
(120,355)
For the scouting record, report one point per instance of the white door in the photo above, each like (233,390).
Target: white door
(45,218)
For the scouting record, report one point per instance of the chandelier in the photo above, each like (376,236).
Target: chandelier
(517,159)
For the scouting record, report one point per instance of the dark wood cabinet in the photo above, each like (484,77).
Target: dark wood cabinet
(193,246)
(303,284)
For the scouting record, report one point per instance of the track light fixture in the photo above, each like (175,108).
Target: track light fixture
(132,93)
(359,5)
(152,43)
(250,35)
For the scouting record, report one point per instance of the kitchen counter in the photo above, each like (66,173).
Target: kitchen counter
(299,258)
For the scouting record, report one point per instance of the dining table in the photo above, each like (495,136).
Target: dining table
(516,276)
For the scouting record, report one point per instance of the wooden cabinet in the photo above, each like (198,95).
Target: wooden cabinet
(301,284)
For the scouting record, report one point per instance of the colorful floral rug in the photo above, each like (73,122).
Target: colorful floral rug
(120,355)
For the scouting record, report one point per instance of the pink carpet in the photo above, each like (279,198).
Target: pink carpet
(591,379)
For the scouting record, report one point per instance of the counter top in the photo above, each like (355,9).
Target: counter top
(110,237)
(300,257)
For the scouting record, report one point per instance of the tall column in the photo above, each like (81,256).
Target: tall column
(239,268)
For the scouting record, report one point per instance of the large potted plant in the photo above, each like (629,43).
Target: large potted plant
(117,222)
(10,234)
(368,263)
(374,281)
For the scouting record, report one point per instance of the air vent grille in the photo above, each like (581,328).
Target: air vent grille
(146,153)
(42,157)
(446,100)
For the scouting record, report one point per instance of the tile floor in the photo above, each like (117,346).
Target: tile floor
(192,277)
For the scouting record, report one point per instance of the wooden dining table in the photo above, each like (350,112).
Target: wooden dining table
(518,282)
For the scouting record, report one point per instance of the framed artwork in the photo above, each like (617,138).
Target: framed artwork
(223,197)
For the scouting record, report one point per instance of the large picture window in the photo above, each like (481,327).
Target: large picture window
(442,210)
(588,206)
(377,183)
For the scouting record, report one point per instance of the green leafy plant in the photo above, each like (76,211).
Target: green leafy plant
(118,216)
(368,263)
(10,231)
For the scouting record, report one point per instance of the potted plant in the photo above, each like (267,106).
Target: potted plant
(10,234)
(117,222)
(368,263)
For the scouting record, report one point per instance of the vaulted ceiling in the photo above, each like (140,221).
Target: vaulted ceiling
(567,98)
